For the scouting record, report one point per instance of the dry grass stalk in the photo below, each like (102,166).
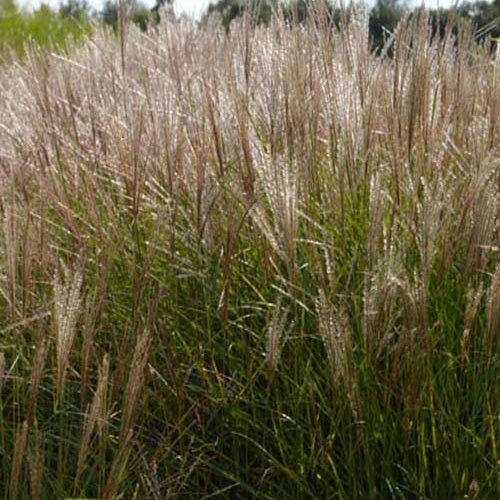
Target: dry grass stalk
(377,229)
(11,248)
(67,302)
(20,445)
(93,307)
(36,465)
(380,307)
(136,379)
(35,378)
(275,331)
(493,314)
(335,332)
(122,18)
(278,181)
(2,368)
(87,351)
(473,300)
(96,411)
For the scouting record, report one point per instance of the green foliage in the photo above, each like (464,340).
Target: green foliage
(228,10)
(109,14)
(44,27)
(141,17)
(133,10)
(484,15)
(384,16)
(49,28)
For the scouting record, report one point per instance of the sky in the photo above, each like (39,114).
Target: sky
(190,7)
(195,7)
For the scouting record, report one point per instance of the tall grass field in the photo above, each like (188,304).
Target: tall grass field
(254,265)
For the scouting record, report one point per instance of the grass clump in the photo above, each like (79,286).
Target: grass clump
(254,265)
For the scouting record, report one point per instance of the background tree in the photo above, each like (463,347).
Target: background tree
(109,14)
(486,16)
(300,10)
(75,9)
(44,26)
(155,10)
(228,10)
(384,18)
(136,12)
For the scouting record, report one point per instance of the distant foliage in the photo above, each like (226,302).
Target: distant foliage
(228,10)
(485,16)
(134,11)
(384,16)
(44,27)
(54,28)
